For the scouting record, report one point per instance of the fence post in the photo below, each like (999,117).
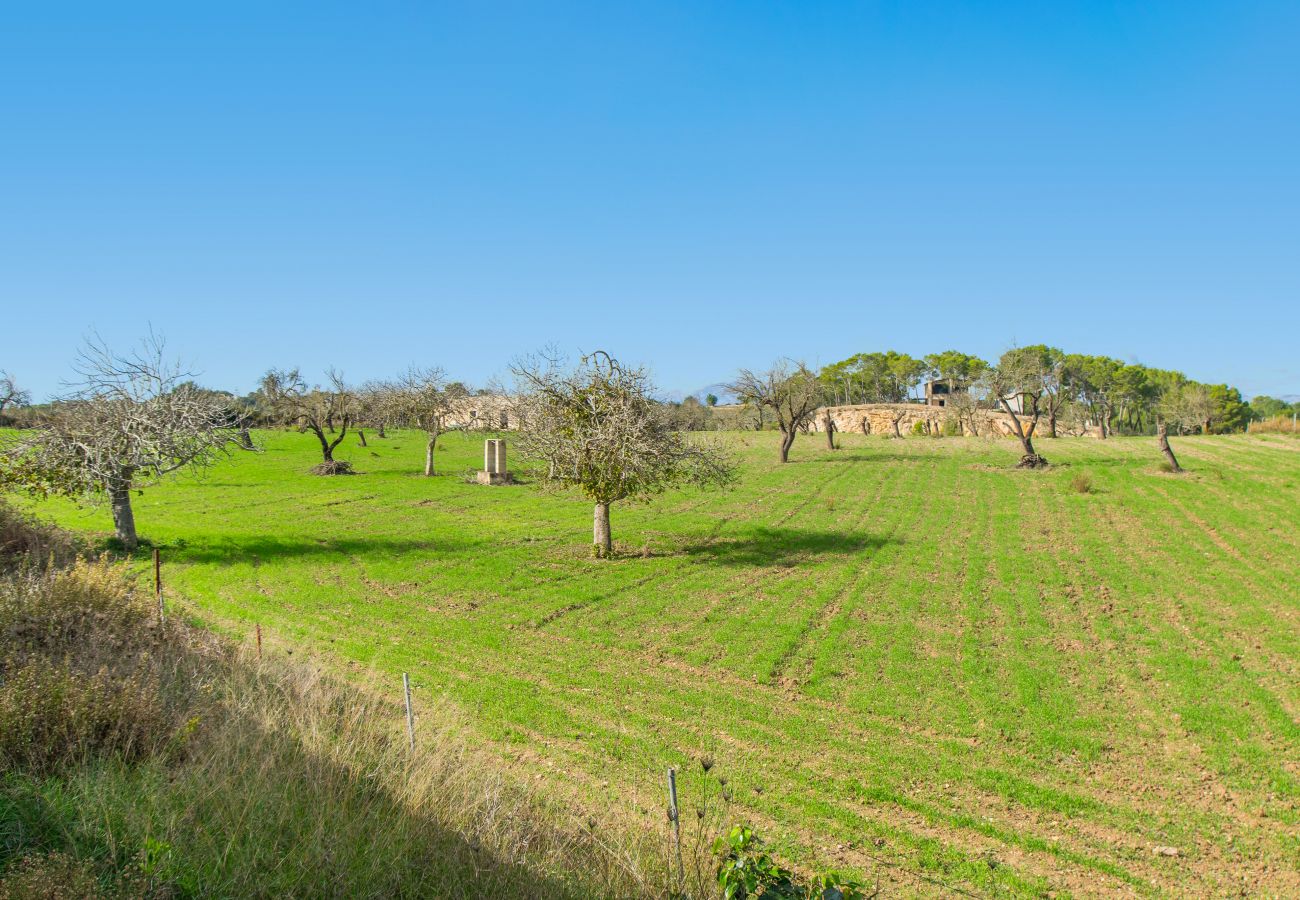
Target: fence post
(410,714)
(676,820)
(157,583)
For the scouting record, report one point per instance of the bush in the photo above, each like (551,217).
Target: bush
(1081,483)
(84,669)
(746,870)
(51,716)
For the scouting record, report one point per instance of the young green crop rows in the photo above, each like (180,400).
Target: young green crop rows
(909,659)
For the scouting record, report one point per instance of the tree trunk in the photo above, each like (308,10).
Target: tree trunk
(379,430)
(602,539)
(429,446)
(245,439)
(787,441)
(1162,439)
(119,493)
(1051,424)
(326,448)
(897,433)
(361,436)
(866,425)
(829,425)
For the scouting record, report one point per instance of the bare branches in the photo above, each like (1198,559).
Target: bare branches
(318,409)
(597,429)
(1018,384)
(11,394)
(790,390)
(420,398)
(130,420)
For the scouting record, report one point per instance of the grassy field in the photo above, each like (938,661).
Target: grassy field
(908,659)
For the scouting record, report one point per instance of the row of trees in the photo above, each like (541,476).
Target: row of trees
(1103,390)
(128,420)
(598,428)
(1038,388)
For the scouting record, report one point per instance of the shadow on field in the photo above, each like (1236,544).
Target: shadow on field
(262,549)
(784,546)
(864,455)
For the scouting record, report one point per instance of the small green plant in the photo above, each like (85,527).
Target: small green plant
(918,427)
(747,870)
(1081,483)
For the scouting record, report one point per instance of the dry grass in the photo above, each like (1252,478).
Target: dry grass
(1275,425)
(24,540)
(152,761)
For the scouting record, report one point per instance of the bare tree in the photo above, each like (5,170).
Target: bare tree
(1016,385)
(11,394)
(422,398)
(790,390)
(596,428)
(313,409)
(968,407)
(1186,406)
(127,422)
(828,426)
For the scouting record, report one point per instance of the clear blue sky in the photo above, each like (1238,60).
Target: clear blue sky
(694,186)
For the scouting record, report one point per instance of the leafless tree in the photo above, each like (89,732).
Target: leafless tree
(895,417)
(790,390)
(422,398)
(11,394)
(1016,385)
(127,422)
(1186,406)
(828,426)
(596,428)
(968,406)
(313,409)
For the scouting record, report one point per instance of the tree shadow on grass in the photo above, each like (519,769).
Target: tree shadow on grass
(784,546)
(260,549)
(868,455)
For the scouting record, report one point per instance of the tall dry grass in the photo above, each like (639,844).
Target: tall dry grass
(151,760)
(1275,425)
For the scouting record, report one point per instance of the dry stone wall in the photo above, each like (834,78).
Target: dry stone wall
(878,418)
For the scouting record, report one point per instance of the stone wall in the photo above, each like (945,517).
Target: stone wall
(878,418)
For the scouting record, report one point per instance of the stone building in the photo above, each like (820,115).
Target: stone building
(938,391)
(490,412)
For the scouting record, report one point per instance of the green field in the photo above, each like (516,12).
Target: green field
(909,659)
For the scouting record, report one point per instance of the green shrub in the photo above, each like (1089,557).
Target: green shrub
(1081,483)
(746,870)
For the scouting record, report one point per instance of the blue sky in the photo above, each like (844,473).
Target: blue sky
(693,186)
